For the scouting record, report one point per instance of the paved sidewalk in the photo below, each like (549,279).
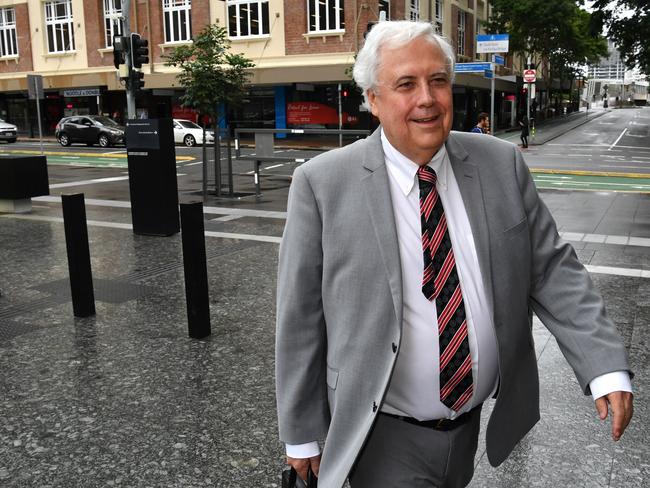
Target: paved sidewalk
(126,399)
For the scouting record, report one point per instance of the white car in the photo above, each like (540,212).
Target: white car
(190,134)
(8,131)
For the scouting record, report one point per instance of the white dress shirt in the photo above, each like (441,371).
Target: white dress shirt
(414,390)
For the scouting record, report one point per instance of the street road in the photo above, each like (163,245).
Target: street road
(611,152)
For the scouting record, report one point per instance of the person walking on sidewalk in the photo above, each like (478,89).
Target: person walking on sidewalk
(410,265)
(523,125)
(483,125)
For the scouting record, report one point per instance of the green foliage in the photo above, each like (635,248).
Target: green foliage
(630,32)
(554,29)
(210,73)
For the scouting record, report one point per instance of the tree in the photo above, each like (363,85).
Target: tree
(555,30)
(628,25)
(211,75)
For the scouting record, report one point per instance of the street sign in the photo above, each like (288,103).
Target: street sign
(489,74)
(532,90)
(496,59)
(472,67)
(35,87)
(492,43)
(530,75)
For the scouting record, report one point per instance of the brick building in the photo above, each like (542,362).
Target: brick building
(302,49)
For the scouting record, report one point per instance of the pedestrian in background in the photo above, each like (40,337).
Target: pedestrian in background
(523,125)
(483,125)
(410,265)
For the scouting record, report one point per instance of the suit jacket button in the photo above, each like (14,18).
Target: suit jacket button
(394,347)
(374,407)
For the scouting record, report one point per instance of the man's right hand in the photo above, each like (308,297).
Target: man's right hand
(302,465)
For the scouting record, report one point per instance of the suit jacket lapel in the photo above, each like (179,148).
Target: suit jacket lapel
(469,182)
(376,190)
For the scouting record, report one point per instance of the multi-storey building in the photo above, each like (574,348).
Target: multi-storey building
(302,49)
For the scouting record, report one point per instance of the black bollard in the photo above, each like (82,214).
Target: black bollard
(196,270)
(76,243)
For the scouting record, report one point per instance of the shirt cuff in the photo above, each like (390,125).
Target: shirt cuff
(607,383)
(303,451)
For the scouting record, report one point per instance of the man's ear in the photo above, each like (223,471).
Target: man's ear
(372,102)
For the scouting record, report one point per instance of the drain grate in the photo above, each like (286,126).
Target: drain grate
(110,291)
(10,330)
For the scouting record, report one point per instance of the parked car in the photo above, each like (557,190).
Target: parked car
(90,129)
(7,131)
(190,134)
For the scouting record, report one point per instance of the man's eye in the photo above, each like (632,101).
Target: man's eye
(439,81)
(406,85)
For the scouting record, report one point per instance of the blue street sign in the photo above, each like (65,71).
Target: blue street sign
(472,67)
(493,37)
(499,59)
(489,74)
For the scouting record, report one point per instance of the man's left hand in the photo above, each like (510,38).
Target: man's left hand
(620,403)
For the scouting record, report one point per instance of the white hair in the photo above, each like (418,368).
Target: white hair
(395,34)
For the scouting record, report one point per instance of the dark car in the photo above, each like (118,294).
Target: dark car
(89,129)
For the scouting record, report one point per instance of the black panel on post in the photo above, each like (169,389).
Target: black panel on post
(152,176)
(23,177)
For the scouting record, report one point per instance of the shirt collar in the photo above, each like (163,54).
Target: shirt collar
(404,170)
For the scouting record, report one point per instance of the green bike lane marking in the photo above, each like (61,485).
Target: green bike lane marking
(82,158)
(593,181)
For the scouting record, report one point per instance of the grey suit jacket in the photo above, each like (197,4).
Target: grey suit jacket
(339,313)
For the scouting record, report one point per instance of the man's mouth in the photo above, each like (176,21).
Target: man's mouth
(424,120)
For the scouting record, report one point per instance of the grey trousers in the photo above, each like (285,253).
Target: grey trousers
(402,455)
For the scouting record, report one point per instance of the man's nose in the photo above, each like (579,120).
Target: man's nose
(425,94)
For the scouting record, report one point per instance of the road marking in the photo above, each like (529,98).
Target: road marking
(274,166)
(639,273)
(192,164)
(226,218)
(89,182)
(619,138)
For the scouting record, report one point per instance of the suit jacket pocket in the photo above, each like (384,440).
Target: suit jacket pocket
(515,229)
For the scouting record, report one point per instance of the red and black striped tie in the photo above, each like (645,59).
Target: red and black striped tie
(440,282)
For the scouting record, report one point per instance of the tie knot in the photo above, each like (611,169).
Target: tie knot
(427,177)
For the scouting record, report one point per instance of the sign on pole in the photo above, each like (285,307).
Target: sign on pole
(492,43)
(496,59)
(35,87)
(530,75)
(35,92)
(472,67)
(489,74)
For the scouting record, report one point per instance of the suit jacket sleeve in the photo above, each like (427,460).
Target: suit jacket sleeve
(301,388)
(563,295)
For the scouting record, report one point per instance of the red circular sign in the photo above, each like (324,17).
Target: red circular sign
(530,75)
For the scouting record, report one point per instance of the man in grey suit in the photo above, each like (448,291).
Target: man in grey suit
(409,268)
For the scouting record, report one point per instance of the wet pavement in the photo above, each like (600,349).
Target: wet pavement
(126,398)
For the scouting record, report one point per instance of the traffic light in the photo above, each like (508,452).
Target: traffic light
(139,51)
(136,81)
(120,49)
(345,93)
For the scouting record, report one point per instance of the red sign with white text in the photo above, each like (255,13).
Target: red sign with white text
(304,113)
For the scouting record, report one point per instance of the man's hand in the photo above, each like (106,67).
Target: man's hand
(620,403)
(302,465)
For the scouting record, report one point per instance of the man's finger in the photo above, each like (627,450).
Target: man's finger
(621,406)
(300,465)
(601,407)
(315,464)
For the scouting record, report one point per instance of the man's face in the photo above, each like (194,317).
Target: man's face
(485,123)
(413,99)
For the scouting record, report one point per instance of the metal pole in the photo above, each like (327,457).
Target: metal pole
(492,121)
(229,153)
(340,118)
(130,93)
(38,115)
(528,94)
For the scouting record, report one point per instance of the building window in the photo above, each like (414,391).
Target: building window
(384,6)
(461,32)
(248,18)
(414,10)
(112,20)
(59,26)
(8,43)
(437,16)
(325,15)
(178,20)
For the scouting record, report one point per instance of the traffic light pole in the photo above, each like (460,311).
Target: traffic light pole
(130,92)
